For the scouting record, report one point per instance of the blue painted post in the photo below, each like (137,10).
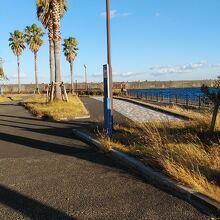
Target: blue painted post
(108,114)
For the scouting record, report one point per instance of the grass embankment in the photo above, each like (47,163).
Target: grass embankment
(184,150)
(57,110)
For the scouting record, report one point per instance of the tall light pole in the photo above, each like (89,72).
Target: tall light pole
(107,72)
(85,76)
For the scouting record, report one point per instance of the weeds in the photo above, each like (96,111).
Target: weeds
(184,150)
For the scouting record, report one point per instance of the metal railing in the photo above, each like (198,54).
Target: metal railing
(199,101)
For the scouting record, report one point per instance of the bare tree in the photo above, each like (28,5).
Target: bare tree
(214,95)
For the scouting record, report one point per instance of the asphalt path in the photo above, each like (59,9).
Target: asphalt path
(45,173)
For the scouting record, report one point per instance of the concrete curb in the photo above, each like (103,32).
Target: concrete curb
(73,118)
(50,118)
(82,117)
(155,108)
(205,204)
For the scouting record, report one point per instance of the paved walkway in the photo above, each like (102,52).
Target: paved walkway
(47,174)
(136,112)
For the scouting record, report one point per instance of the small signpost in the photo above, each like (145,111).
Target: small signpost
(107,75)
(108,118)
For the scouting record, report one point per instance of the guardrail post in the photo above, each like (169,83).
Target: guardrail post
(187,101)
(176,99)
(170,101)
(157,97)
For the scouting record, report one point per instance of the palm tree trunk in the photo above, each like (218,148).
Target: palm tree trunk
(19,81)
(51,47)
(56,41)
(214,116)
(58,94)
(36,72)
(71,72)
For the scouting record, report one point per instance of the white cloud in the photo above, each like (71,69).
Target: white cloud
(97,75)
(162,70)
(197,65)
(114,13)
(22,76)
(128,74)
(216,65)
(119,75)
(80,76)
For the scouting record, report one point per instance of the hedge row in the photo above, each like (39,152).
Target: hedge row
(97,93)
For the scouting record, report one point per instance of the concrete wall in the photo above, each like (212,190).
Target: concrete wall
(168,84)
(29,88)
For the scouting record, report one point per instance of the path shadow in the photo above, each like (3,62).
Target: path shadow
(48,122)
(24,123)
(9,104)
(64,131)
(30,207)
(31,118)
(82,151)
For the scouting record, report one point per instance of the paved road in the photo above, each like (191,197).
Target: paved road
(47,174)
(136,112)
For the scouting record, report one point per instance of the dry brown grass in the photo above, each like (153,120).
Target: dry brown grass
(17,97)
(4,98)
(12,97)
(184,150)
(58,110)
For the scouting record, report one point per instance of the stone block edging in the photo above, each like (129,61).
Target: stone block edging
(155,108)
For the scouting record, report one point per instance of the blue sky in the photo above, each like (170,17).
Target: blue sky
(151,39)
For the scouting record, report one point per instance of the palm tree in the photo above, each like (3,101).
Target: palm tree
(70,52)
(50,13)
(2,76)
(17,44)
(44,13)
(214,96)
(33,36)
